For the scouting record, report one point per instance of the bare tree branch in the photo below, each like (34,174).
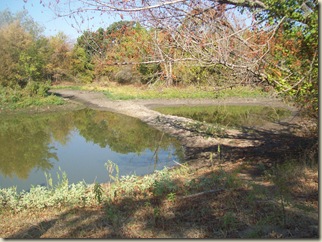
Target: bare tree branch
(206,32)
(244,3)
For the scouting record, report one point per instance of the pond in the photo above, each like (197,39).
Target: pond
(229,115)
(79,143)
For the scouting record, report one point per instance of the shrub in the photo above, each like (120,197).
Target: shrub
(36,89)
(126,76)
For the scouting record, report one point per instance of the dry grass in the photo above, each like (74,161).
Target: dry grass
(117,91)
(239,207)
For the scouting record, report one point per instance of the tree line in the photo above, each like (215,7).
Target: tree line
(213,43)
(250,40)
(125,52)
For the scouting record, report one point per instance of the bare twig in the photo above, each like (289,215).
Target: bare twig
(179,164)
(201,194)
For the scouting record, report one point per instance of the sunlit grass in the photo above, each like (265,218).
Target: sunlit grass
(27,102)
(33,95)
(129,92)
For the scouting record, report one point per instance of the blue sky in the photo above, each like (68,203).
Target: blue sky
(53,24)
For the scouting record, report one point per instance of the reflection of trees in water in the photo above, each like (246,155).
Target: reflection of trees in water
(123,134)
(25,140)
(24,146)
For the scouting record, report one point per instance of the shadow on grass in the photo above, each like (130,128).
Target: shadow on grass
(275,146)
(228,214)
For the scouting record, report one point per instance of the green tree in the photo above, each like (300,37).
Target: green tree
(26,22)
(82,68)
(291,65)
(23,50)
(119,52)
(91,42)
(14,41)
(127,42)
(32,61)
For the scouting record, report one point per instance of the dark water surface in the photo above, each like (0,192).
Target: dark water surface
(79,143)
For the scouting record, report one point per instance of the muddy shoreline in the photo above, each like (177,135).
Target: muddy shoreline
(198,146)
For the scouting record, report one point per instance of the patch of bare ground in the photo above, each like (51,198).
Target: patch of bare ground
(259,182)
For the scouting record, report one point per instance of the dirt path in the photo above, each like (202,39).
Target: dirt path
(197,146)
(141,109)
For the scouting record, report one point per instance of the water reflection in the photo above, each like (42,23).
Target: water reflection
(79,142)
(230,116)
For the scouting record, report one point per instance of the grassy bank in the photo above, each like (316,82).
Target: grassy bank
(127,92)
(35,96)
(17,98)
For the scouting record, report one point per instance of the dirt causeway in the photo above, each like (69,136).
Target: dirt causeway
(197,145)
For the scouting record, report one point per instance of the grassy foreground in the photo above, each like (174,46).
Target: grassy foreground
(217,200)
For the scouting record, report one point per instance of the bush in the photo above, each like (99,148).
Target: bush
(36,89)
(149,73)
(126,76)
(34,93)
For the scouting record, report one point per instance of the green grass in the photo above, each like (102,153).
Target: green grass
(228,115)
(82,194)
(34,95)
(70,87)
(12,99)
(25,102)
(129,92)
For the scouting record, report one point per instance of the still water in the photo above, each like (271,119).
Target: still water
(229,115)
(79,143)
